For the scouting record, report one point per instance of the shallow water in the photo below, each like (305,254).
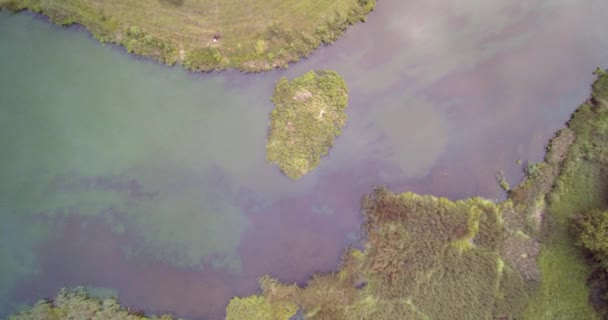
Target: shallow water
(121,173)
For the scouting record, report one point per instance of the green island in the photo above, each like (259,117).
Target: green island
(308,115)
(528,257)
(207,35)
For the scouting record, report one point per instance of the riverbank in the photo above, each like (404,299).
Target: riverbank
(209,35)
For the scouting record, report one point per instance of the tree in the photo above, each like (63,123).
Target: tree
(592,234)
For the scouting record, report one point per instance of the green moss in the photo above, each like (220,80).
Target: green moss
(308,115)
(209,35)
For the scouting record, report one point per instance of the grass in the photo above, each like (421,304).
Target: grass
(563,293)
(308,115)
(206,35)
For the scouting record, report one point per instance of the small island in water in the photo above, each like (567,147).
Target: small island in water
(308,115)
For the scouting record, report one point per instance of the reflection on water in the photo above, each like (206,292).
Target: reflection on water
(123,174)
(415,131)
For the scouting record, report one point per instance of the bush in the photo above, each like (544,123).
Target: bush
(592,234)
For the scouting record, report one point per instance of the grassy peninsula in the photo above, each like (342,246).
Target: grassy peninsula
(308,115)
(432,258)
(206,35)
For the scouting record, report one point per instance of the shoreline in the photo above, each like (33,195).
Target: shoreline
(276,47)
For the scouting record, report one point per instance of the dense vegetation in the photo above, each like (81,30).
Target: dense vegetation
(209,34)
(308,115)
(431,258)
(79,304)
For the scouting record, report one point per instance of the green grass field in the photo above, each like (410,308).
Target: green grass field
(206,35)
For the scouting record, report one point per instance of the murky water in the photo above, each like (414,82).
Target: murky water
(120,173)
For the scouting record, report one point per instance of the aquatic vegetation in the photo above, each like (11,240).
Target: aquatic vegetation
(308,115)
(78,304)
(209,35)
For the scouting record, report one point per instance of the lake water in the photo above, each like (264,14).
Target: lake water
(117,172)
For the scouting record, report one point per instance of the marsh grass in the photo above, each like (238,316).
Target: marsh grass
(209,35)
(308,115)
(425,258)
